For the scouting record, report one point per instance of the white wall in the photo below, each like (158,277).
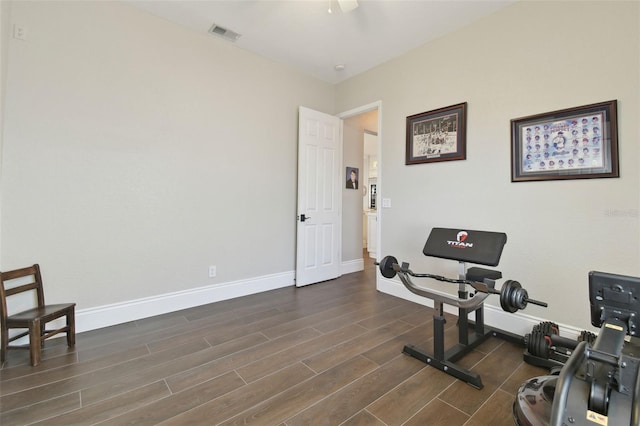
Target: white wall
(530,58)
(137,153)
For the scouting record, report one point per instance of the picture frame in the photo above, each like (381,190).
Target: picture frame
(572,143)
(352,178)
(438,135)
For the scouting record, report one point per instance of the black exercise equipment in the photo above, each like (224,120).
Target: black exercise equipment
(512,296)
(480,247)
(600,382)
(544,347)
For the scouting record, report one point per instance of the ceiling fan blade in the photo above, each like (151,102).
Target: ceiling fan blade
(347,5)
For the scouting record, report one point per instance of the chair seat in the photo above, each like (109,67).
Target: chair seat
(43,314)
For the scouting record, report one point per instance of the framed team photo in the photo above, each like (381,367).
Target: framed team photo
(573,143)
(438,135)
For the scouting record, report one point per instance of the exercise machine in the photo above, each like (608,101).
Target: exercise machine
(478,247)
(600,382)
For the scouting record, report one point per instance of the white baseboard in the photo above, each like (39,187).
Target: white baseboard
(131,310)
(117,313)
(352,266)
(517,323)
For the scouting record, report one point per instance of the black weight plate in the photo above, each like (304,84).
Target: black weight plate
(521,296)
(506,293)
(530,342)
(386,266)
(517,296)
(537,345)
(587,336)
(548,328)
(543,347)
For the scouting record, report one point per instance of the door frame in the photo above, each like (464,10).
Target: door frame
(379,185)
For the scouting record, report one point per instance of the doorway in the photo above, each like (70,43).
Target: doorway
(361,213)
(370,187)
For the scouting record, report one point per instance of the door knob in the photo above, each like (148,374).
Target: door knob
(303,218)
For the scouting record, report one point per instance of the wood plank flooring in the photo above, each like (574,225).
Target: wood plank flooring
(327,354)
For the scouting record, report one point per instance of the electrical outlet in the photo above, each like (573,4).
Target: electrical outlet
(212,271)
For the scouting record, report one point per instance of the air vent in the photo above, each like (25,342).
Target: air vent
(224,33)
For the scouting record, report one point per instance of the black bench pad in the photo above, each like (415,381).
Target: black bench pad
(479,274)
(481,247)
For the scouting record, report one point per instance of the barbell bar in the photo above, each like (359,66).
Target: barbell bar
(512,296)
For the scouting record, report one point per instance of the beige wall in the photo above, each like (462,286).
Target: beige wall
(137,153)
(530,58)
(5,12)
(353,143)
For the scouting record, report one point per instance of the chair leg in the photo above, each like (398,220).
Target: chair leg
(42,333)
(35,343)
(71,327)
(5,343)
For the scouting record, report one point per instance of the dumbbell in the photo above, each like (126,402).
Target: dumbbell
(539,342)
(545,342)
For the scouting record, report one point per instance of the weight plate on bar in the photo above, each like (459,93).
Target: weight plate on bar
(386,266)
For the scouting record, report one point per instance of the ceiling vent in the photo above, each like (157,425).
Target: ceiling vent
(224,33)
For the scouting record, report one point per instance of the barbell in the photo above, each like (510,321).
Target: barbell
(512,296)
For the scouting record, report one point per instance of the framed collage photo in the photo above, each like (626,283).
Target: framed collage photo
(573,143)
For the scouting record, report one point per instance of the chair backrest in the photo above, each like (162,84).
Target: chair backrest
(20,281)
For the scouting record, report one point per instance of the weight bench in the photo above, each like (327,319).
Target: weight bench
(479,247)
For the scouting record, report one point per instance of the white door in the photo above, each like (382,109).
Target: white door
(319,221)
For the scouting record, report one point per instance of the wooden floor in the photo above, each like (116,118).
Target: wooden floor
(324,354)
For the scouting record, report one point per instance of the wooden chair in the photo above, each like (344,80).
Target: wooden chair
(34,319)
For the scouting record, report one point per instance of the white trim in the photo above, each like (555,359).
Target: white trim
(350,266)
(361,110)
(118,313)
(517,323)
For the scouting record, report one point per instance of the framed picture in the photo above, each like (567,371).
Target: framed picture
(573,143)
(352,178)
(438,135)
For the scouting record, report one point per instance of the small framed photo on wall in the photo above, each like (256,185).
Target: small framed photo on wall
(352,178)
